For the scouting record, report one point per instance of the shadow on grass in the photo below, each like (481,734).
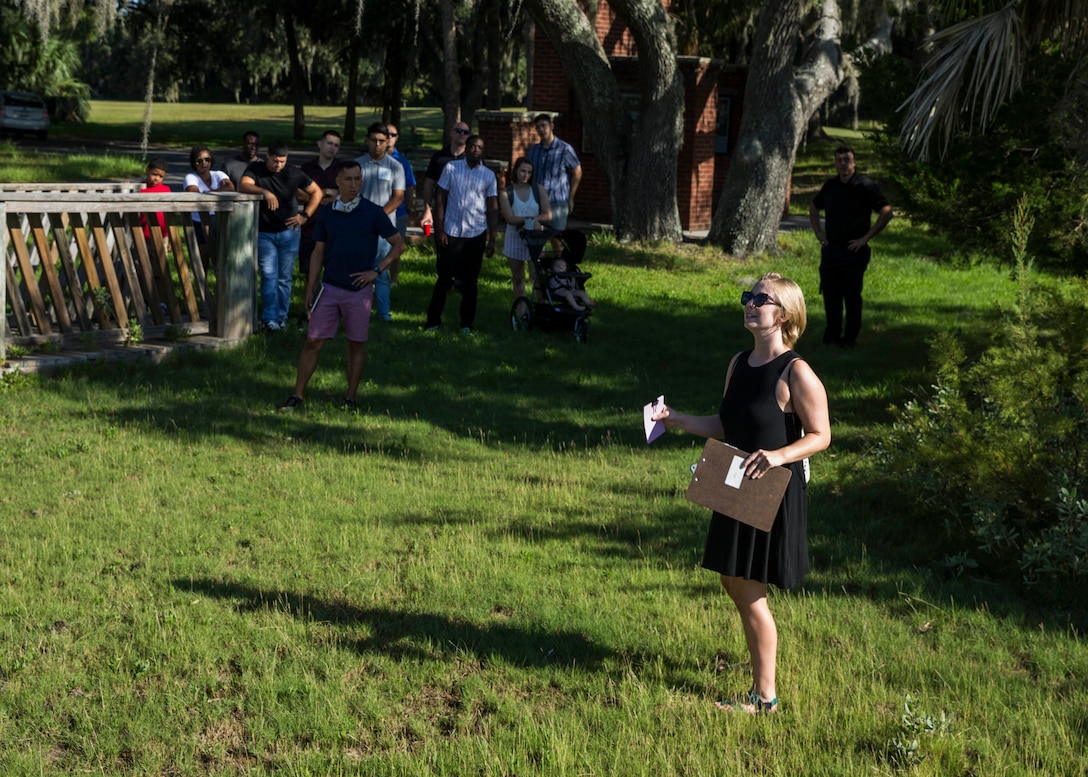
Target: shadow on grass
(415,636)
(421,636)
(537,389)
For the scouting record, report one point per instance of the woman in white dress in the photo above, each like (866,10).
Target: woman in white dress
(524,205)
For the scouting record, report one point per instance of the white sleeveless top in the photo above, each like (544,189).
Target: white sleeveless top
(513,246)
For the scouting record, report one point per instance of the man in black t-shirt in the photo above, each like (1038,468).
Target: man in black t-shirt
(455,149)
(278,232)
(849,200)
(236,165)
(322,170)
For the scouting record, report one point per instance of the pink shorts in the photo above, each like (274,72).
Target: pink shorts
(336,305)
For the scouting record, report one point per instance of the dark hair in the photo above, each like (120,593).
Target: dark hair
(158,163)
(378,127)
(542,117)
(844,150)
(254,133)
(350,164)
(326,133)
(470,138)
(278,148)
(196,152)
(521,160)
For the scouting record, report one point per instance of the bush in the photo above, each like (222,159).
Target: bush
(999,450)
(1029,150)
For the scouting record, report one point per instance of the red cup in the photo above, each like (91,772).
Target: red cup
(427,229)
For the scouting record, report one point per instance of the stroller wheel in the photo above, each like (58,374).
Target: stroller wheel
(521,315)
(581,329)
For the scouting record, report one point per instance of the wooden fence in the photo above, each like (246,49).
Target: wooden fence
(77,261)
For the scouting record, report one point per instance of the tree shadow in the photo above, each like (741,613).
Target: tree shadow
(415,636)
(421,636)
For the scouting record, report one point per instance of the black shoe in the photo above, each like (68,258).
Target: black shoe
(347,404)
(291,403)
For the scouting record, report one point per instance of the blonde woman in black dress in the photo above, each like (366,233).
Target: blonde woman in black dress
(771,395)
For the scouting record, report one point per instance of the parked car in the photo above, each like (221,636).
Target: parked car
(22,112)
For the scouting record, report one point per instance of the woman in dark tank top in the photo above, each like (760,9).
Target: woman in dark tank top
(771,395)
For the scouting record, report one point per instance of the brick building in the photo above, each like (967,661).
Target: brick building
(713,101)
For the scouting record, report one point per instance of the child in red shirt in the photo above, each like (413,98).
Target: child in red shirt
(155,173)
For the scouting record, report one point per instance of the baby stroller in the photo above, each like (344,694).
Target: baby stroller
(546,309)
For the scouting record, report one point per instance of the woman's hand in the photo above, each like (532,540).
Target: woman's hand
(662,414)
(757,464)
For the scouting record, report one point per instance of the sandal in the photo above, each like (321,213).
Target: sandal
(753,705)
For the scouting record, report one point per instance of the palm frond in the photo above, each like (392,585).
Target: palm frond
(976,65)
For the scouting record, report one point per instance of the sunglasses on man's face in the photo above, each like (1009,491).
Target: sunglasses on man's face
(759,300)
(392,134)
(460,131)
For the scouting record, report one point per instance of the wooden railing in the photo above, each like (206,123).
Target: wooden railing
(77,261)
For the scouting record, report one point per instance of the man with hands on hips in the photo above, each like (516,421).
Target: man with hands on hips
(345,259)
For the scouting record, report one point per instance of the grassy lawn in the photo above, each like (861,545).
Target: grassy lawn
(486,570)
(222,125)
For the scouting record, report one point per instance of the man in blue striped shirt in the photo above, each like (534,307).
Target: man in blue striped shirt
(466,221)
(555,167)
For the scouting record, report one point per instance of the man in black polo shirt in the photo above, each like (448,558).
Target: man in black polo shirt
(278,232)
(848,200)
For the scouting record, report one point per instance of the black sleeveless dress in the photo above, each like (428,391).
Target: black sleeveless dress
(753,420)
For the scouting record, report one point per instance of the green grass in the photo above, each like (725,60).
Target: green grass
(222,125)
(18,165)
(487,571)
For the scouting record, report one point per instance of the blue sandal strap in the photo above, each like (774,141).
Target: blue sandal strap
(759,704)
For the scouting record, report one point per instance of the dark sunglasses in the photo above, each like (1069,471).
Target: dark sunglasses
(460,131)
(759,300)
(392,134)
(204,160)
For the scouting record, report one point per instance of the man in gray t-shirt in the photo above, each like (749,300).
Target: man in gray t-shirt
(383,184)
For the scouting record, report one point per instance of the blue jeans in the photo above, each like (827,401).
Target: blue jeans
(381,283)
(276,254)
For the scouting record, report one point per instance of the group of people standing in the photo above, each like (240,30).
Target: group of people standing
(317,213)
(468,204)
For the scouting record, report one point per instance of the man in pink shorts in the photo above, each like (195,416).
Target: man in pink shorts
(345,247)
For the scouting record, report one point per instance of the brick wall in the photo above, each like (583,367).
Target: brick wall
(696,163)
(612,32)
(731,83)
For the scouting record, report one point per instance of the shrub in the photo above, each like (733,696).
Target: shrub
(999,448)
(1029,150)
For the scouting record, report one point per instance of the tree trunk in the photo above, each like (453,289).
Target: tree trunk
(298,93)
(637,156)
(530,54)
(355,53)
(451,93)
(779,100)
(644,208)
(496,39)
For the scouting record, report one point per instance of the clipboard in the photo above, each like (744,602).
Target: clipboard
(718,482)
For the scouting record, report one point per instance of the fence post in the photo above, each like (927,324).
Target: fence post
(236,279)
(4,282)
